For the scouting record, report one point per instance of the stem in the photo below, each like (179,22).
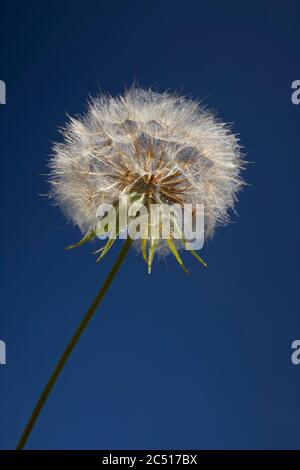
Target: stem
(71,345)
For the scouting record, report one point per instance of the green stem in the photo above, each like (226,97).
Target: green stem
(71,345)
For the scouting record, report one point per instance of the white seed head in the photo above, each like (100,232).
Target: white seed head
(164,146)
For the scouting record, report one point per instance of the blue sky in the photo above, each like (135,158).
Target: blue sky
(169,360)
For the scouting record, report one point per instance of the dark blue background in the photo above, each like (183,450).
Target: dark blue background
(169,360)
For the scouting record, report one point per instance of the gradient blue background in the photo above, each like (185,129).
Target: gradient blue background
(169,361)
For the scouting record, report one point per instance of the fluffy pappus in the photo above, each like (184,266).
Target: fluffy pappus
(166,147)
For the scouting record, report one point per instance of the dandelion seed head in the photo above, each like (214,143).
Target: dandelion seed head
(166,147)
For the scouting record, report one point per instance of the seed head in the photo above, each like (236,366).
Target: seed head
(163,147)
